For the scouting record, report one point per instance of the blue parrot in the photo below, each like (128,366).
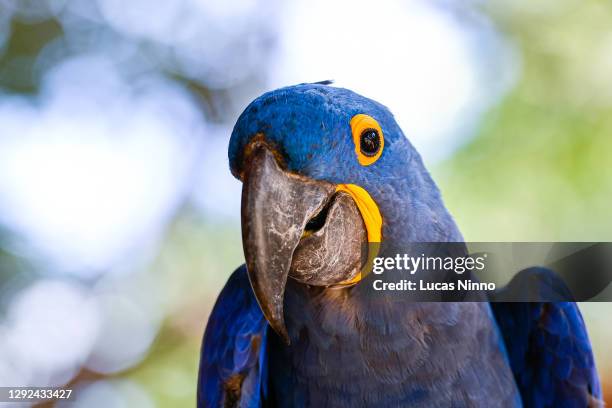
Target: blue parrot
(325,171)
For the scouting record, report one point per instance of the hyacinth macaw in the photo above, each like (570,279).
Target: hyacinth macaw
(323,171)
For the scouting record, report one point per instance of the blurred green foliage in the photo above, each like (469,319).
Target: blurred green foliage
(539,166)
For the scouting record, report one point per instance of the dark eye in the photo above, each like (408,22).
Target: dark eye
(368,139)
(369,142)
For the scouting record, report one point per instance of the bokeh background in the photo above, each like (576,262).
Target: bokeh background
(119,219)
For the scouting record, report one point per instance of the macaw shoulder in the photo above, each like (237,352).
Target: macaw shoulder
(549,351)
(233,359)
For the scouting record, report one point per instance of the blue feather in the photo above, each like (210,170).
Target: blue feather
(233,363)
(549,352)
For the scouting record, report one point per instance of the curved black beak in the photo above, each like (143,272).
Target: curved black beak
(276,206)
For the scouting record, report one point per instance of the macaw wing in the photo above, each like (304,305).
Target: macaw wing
(549,351)
(233,361)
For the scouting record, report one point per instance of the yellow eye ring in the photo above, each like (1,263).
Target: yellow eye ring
(368,139)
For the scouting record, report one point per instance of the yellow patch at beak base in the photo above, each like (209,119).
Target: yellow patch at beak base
(371,218)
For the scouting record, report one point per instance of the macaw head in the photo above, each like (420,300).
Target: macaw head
(324,172)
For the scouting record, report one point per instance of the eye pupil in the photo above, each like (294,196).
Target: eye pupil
(370,142)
